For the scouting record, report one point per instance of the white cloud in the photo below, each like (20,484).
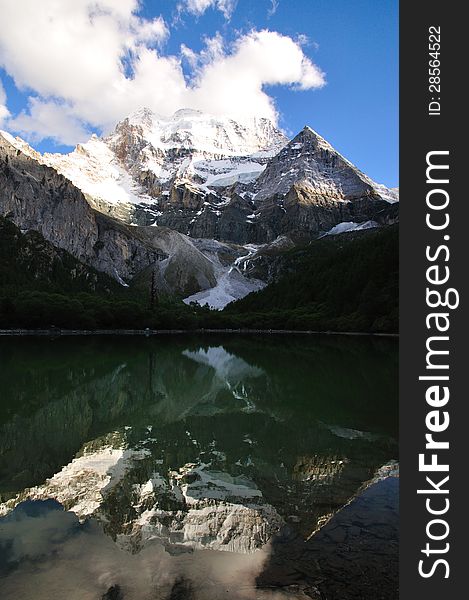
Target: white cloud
(273,8)
(89,63)
(48,119)
(234,83)
(198,7)
(214,50)
(4,112)
(71,49)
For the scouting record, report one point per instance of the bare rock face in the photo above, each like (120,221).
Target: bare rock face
(36,197)
(309,158)
(29,258)
(186,269)
(308,188)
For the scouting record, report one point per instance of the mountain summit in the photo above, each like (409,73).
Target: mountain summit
(201,133)
(189,202)
(147,155)
(214,177)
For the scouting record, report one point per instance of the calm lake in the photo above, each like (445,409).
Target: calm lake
(198,467)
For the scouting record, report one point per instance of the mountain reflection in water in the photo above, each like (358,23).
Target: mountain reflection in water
(163,447)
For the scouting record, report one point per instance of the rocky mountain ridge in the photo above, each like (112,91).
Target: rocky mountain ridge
(215,178)
(36,197)
(191,198)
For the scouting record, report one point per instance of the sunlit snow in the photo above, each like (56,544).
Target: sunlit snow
(351,226)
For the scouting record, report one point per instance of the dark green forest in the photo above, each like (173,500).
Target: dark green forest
(345,283)
(341,283)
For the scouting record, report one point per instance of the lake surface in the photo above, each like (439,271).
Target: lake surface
(185,466)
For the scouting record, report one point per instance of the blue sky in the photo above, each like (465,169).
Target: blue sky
(354,43)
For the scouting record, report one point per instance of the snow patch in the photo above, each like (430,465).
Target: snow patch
(351,226)
(95,170)
(232,285)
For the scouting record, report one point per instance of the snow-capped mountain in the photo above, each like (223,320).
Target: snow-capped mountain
(212,177)
(309,159)
(145,155)
(194,199)
(208,135)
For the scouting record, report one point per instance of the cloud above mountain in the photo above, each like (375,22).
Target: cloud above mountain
(88,63)
(4,112)
(198,7)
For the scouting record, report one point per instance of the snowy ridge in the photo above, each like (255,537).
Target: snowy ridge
(189,146)
(212,186)
(206,134)
(310,161)
(94,168)
(21,145)
(146,155)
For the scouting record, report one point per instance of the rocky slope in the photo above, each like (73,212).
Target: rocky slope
(30,262)
(36,197)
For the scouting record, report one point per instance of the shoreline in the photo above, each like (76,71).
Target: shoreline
(155,332)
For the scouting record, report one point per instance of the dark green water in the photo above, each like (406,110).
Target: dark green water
(186,443)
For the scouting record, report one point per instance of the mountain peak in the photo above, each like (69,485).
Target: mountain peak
(141,116)
(309,135)
(20,145)
(310,161)
(193,130)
